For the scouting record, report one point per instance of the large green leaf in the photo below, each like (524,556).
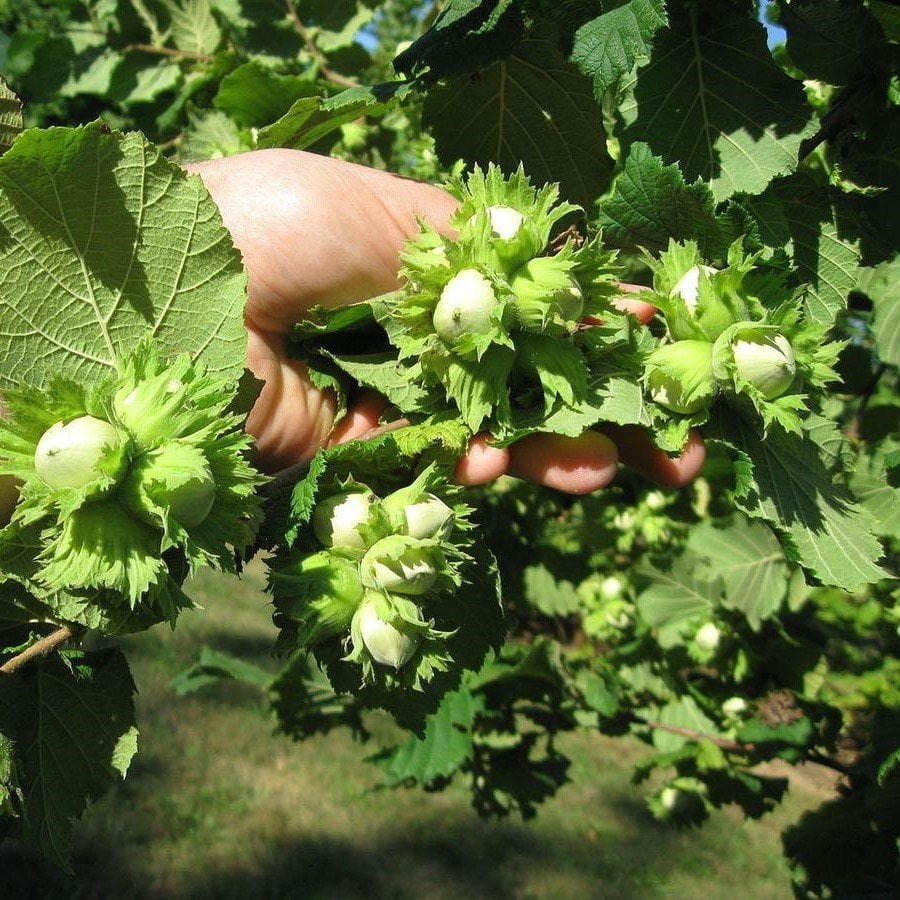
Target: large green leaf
(607,47)
(253,95)
(882,285)
(102,241)
(466,35)
(713,99)
(814,226)
(831,40)
(446,744)
(10,116)
(547,594)
(72,726)
(652,203)
(681,713)
(193,26)
(675,598)
(750,562)
(311,118)
(532,107)
(788,485)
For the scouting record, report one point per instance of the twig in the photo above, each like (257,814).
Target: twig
(379,430)
(724,743)
(39,648)
(324,69)
(172,143)
(737,747)
(169,51)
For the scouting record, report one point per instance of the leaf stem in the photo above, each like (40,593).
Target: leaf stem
(39,648)
(324,69)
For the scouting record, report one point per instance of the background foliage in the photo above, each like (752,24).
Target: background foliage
(662,120)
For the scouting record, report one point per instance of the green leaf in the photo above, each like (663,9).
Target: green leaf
(467,35)
(559,365)
(118,243)
(790,487)
(877,495)
(675,598)
(337,32)
(548,595)
(253,95)
(793,734)
(607,47)
(831,41)
(813,226)
(750,562)
(400,382)
(210,135)
(882,286)
(888,16)
(213,667)
(533,107)
(71,723)
(692,104)
(652,203)
(193,26)
(102,546)
(305,703)
(478,387)
(681,713)
(10,116)
(136,81)
(624,403)
(311,118)
(446,744)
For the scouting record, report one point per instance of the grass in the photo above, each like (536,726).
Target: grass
(217,806)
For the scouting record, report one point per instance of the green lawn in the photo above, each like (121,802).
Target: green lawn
(218,806)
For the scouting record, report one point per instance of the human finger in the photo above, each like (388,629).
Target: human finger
(363,417)
(642,311)
(638,452)
(578,465)
(483,462)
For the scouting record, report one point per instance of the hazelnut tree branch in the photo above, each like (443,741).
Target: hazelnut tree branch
(45,645)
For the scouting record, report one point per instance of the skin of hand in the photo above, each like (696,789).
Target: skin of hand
(319,231)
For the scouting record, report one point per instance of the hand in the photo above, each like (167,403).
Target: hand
(318,231)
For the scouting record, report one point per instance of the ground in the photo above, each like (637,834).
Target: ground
(218,806)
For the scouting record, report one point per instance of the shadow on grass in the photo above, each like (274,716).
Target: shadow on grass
(455,857)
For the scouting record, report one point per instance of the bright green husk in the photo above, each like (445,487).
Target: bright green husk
(322,591)
(403,564)
(173,480)
(679,376)
(419,514)
(548,298)
(698,301)
(149,409)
